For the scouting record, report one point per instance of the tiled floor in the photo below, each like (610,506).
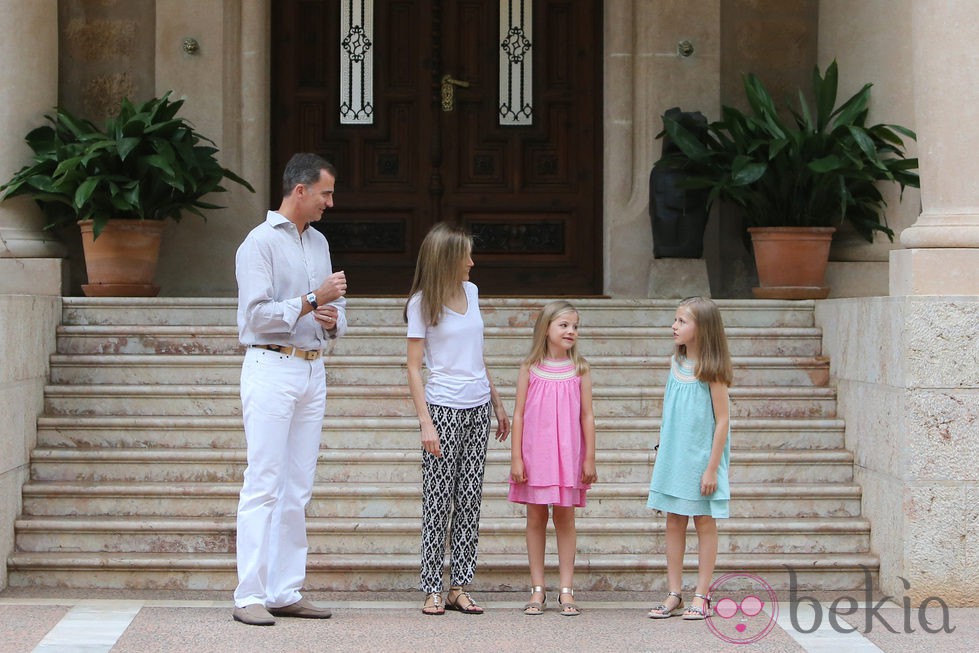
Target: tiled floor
(45,623)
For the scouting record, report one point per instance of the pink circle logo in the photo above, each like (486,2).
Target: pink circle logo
(745,608)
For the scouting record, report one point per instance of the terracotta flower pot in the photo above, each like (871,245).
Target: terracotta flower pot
(791,261)
(121,262)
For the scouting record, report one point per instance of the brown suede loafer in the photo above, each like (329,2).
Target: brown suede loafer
(303,609)
(253,615)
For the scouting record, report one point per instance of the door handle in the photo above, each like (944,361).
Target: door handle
(448,91)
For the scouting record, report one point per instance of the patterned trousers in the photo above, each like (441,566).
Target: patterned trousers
(453,485)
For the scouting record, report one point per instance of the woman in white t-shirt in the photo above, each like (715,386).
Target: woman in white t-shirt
(445,334)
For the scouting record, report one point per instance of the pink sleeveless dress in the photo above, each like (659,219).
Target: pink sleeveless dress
(553,444)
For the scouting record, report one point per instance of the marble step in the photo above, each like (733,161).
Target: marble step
(122,369)
(140,452)
(367,500)
(392,400)
(399,465)
(390,341)
(508,312)
(401,536)
(616,433)
(363,571)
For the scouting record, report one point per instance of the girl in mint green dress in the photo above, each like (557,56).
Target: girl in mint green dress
(690,477)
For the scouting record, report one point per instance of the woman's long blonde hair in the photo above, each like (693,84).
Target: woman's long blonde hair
(440,259)
(714,359)
(538,351)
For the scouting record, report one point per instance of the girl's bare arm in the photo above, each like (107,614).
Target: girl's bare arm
(518,473)
(589,474)
(719,401)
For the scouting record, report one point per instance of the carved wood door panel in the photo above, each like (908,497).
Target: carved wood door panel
(531,194)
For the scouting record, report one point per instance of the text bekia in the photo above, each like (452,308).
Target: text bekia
(847,605)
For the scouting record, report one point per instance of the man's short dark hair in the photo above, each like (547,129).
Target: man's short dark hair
(304,168)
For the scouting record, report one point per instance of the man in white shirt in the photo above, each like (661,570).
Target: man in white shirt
(290,302)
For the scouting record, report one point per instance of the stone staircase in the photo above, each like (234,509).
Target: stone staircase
(140,452)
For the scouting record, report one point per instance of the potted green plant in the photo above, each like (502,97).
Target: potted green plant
(120,184)
(805,173)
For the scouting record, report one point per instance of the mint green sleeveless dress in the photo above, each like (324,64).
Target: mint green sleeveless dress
(685,442)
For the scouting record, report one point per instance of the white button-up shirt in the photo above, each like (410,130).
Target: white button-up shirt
(276,267)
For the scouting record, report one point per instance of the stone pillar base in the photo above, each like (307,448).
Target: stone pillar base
(32,276)
(676,278)
(907,376)
(22,233)
(935,271)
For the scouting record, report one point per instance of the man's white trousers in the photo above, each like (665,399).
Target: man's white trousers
(283,399)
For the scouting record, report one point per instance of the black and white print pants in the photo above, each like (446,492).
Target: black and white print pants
(453,486)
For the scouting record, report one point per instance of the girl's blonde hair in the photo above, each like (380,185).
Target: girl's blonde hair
(714,359)
(548,314)
(440,260)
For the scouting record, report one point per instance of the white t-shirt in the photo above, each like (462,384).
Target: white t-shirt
(453,353)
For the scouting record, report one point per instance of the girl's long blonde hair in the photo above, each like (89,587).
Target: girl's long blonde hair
(440,259)
(538,351)
(714,359)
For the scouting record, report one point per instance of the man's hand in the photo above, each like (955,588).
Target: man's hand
(334,287)
(326,315)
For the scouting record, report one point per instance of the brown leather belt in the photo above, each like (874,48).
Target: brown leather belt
(292,351)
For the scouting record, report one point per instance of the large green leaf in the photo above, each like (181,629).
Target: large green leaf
(744,171)
(688,143)
(826,164)
(85,190)
(856,106)
(825,88)
(866,144)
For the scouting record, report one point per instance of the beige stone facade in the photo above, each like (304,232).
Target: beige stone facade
(910,399)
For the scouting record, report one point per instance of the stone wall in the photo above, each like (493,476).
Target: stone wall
(907,374)
(645,76)
(775,40)
(27,339)
(870,50)
(226,83)
(215,56)
(105,54)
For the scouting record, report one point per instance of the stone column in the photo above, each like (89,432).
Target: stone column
(29,89)
(941,254)
(30,265)
(644,76)
(909,388)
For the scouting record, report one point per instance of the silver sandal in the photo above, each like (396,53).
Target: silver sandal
(435,608)
(694,613)
(662,612)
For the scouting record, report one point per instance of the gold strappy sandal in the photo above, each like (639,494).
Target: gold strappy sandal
(456,604)
(568,608)
(534,608)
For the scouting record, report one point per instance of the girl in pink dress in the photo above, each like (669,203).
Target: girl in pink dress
(552,450)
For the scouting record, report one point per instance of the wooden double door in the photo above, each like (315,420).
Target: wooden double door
(530,194)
